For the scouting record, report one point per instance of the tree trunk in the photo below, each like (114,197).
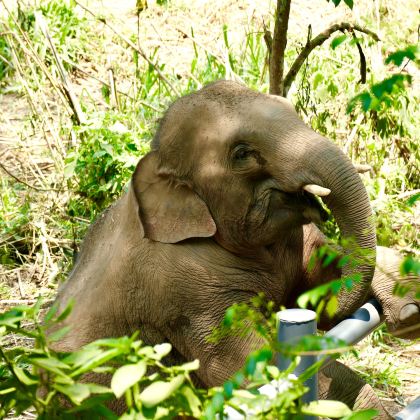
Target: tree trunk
(279,47)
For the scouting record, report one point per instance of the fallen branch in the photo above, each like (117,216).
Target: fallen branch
(131,45)
(316,42)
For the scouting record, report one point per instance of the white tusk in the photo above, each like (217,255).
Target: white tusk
(317,190)
(362,168)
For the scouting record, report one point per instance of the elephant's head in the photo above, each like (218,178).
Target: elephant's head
(237,165)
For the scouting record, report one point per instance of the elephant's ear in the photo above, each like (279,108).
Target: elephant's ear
(169,211)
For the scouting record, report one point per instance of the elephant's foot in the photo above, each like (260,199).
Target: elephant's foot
(338,382)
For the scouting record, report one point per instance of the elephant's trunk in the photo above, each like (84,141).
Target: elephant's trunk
(318,161)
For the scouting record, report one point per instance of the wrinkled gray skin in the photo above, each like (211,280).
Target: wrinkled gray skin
(216,213)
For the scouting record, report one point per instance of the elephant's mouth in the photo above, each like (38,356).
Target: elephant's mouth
(288,209)
(301,203)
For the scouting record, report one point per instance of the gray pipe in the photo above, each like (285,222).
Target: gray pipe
(411,412)
(359,325)
(293,324)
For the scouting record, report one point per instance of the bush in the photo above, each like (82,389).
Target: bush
(51,383)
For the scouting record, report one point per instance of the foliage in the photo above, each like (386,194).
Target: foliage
(101,165)
(55,383)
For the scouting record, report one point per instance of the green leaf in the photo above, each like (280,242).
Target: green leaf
(159,391)
(7,391)
(398,57)
(194,402)
(362,415)
(326,408)
(161,350)
(311,371)
(337,41)
(95,404)
(66,311)
(349,3)
(76,392)
(82,356)
(51,364)
(410,266)
(96,361)
(126,376)
(412,200)
(319,77)
(273,371)
(23,377)
(187,367)
(332,306)
(70,168)
(108,148)
(57,335)
(98,389)
(331,256)
(51,312)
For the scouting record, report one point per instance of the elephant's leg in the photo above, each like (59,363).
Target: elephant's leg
(338,382)
(402,313)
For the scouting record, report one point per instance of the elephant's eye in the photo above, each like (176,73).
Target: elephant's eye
(242,152)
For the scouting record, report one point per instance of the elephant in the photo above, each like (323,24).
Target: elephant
(223,207)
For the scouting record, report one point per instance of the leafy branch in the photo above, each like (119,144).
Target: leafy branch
(276,45)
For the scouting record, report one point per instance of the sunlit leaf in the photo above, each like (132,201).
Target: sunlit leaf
(50,364)
(398,57)
(413,199)
(66,311)
(410,266)
(96,361)
(332,306)
(159,391)
(59,334)
(76,392)
(326,408)
(187,367)
(194,402)
(161,350)
(23,377)
(126,376)
(363,415)
(337,41)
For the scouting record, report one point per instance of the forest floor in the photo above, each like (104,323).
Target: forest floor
(393,366)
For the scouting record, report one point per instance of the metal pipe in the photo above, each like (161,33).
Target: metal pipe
(293,324)
(359,325)
(411,412)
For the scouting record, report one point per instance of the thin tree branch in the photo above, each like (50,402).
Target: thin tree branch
(362,61)
(133,46)
(316,42)
(278,47)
